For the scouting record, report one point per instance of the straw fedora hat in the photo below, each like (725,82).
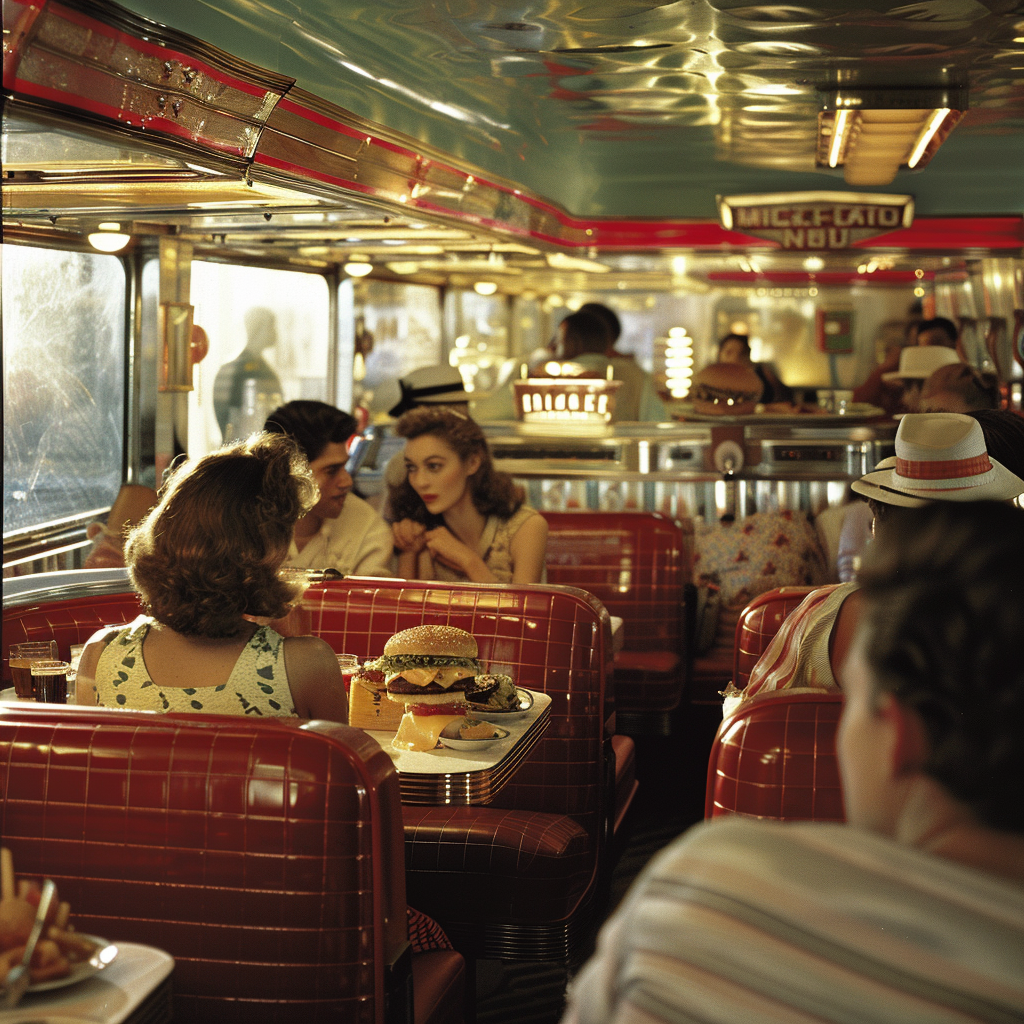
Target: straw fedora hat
(919,362)
(940,456)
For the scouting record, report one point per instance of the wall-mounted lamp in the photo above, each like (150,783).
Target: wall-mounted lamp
(358,268)
(872,133)
(108,237)
(485,287)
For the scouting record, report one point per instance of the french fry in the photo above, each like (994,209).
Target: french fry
(63,913)
(73,945)
(6,874)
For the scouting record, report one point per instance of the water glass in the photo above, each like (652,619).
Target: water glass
(22,656)
(50,679)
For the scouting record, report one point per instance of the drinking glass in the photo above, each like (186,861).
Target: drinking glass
(50,679)
(349,665)
(22,656)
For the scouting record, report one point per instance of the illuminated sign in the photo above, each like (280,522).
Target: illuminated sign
(805,221)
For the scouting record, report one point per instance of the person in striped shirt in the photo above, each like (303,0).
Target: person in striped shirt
(914,909)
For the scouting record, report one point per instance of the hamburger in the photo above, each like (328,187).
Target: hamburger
(725,389)
(428,669)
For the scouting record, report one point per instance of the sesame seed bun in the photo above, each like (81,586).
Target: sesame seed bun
(725,389)
(439,641)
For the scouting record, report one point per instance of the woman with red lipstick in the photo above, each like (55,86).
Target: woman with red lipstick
(457,518)
(341,531)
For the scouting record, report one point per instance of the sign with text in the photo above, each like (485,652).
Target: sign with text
(808,221)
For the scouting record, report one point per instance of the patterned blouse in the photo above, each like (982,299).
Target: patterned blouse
(258,684)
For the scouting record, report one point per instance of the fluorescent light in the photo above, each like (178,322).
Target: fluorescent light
(485,287)
(933,125)
(358,269)
(838,135)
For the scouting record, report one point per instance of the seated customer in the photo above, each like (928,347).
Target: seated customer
(958,387)
(202,561)
(340,531)
(929,466)
(914,909)
(457,518)
(735,348)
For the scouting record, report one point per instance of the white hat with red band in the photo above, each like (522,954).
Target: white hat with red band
(919,362)
(940,456)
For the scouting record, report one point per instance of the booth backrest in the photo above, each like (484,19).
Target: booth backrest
(776,758)
(70,620)
(757,625)
(265,856)
(632,562)
(548,638)
(637,565)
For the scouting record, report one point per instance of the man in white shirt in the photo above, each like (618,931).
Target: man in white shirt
(341,531)
(914,909)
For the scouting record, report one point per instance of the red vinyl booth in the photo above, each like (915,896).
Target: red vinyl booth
(776,758)
(637,565)
(265,856)
(515,878)
(757,625)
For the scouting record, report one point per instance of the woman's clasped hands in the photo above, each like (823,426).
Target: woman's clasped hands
(442,544)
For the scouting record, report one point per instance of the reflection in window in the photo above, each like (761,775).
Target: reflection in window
(64,383)
(269,337)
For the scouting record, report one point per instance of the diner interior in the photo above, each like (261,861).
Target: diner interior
(348,193)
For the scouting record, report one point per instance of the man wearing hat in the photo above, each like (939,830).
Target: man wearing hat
(939,457)
(916,366)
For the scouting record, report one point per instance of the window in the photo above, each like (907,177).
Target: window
(268,327)
(64,383)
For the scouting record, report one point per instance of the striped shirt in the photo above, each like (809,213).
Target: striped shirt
(742,920)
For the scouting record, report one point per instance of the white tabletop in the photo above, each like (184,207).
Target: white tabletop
(109,997)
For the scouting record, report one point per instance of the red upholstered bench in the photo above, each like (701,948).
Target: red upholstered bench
(264,855)
(636,564)
(758,623)
(515,878)
(776,758)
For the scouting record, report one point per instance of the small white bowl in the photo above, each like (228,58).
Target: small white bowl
(455,743)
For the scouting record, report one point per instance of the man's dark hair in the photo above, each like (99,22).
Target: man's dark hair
(741,338)
(585,333)
(314,425)
(611,321)
(1004,437)
(944,604)
(940,323)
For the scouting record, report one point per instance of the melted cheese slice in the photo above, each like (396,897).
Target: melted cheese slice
(425,676)
(420,732)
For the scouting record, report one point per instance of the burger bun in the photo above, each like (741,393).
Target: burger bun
(725,389)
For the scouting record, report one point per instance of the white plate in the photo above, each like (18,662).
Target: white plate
(104,955)
(497,715)
(458,744)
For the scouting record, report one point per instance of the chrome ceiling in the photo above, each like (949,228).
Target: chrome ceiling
(633,108)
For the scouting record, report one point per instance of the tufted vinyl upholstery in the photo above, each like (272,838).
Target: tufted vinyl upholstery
(757,625)
(527,863)
(265,856)
(535,852)
(776,758)
(636,564)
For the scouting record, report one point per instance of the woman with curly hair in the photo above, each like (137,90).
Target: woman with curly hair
(205,563)
(456,517)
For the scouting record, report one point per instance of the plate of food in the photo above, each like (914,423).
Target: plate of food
(497,698)
(471,734)
(102,955)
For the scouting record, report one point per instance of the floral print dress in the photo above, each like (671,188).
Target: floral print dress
(258,684)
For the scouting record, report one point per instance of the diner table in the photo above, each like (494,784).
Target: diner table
(135,988)
(445,776)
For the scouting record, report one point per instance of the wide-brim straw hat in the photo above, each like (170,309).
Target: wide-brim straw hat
(919,362)
(940,456)
(429,385)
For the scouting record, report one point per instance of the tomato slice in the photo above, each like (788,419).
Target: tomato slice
(439,709)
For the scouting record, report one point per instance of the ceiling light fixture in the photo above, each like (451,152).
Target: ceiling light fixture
(108,237)
(358,269)
(485,287)
(873,133)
